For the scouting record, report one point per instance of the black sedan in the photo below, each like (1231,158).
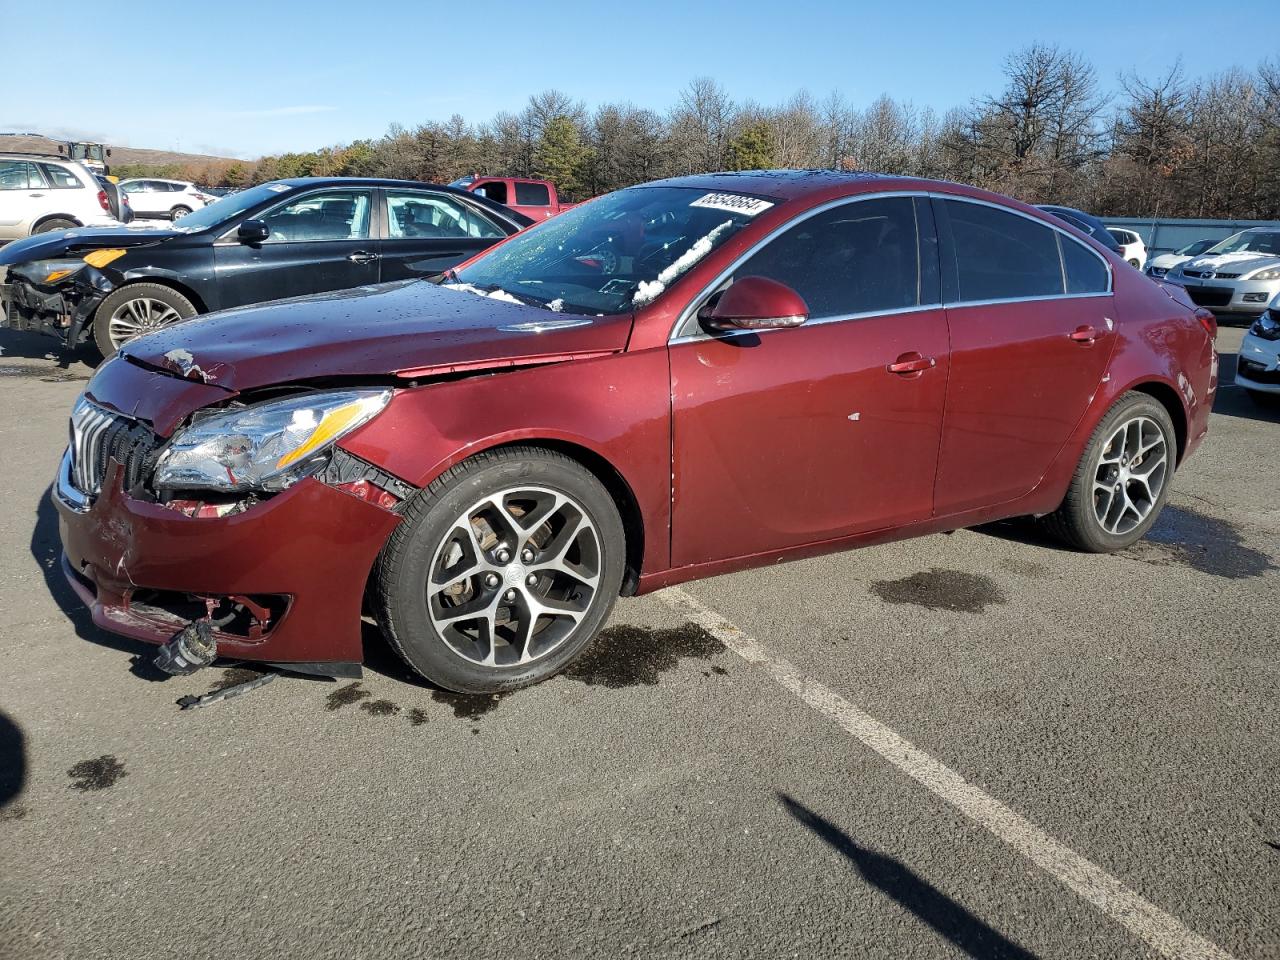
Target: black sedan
(1086,223)
(284,239)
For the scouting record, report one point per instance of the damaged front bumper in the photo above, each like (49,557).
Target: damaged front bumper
(285,579)
(63,309)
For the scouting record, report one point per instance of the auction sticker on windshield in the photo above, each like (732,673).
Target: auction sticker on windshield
(733,202)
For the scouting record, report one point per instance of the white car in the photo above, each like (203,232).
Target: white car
(1258,365)
(1163,263)
(167,199)
(1131,245)
(39,193)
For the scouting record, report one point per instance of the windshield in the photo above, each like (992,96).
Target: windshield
(228,208)
(1251,241)
(614,254)
(1195,249)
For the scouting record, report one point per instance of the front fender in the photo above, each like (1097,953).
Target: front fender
(616,407)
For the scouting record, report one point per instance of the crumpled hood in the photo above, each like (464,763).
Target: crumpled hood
(408,328)
(61,243)
(1241,263)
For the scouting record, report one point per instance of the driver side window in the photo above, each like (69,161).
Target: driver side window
(859,257)
(335,215)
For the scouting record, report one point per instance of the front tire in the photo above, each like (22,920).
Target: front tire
(137,309)
(1122,481)
(177,213)
(502,572)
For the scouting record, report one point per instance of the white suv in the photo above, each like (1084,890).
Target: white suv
(40,193)
(170,199)
(1132,247)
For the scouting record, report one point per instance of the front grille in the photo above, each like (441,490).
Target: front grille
(97,437)
(1210,296)
(1198,274)
(1257,372)
(1228,276)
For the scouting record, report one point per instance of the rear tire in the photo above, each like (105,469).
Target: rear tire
(137,309)
(502,572)
(55,223)
(1123,478)
(177,213)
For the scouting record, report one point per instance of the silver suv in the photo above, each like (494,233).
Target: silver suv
(41,193)
(1240,275)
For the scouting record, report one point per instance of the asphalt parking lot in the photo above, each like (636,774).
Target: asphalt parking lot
(974,744)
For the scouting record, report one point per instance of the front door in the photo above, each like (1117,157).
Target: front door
(318,242)
(1032,330)
(800,435)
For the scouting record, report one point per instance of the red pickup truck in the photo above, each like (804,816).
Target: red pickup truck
(534,198)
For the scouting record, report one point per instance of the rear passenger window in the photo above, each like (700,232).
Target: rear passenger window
(1000,256)
(860,257)
(532,195)
(1086,273)
(59,177)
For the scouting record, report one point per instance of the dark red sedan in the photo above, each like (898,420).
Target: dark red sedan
(672,381)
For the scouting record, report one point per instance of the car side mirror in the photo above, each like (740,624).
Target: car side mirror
(253,231)
(755,303)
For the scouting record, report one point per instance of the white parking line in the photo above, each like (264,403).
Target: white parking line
(1162,931)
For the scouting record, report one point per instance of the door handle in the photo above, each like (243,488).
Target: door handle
(362,256)
(1084,334)
(911,364)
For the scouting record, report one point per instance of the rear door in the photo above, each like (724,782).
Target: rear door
(1030,314)
(426,232)
(320,241)
(795,436)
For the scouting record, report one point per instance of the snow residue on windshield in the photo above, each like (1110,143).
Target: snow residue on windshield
(556,305)
(650,289)
(495,294)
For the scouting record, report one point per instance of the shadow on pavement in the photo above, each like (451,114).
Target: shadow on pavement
(13,760)
(933,907)
(39,346)
(46,550)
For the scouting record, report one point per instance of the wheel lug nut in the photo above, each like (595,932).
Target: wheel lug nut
(531,579)
(491,580)
(511,594)
(527,555)
(503,556)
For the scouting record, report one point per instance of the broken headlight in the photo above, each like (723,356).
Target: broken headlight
(268,446)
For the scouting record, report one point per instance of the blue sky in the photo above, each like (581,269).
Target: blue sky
(244,79)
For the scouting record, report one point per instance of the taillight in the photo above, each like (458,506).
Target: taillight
(1208,321)
(103,202)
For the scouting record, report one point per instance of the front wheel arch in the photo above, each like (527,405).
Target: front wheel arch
(55,216)
(619,489)
(174,285)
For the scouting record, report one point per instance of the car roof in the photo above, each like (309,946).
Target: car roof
(790,184)
(41,157)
